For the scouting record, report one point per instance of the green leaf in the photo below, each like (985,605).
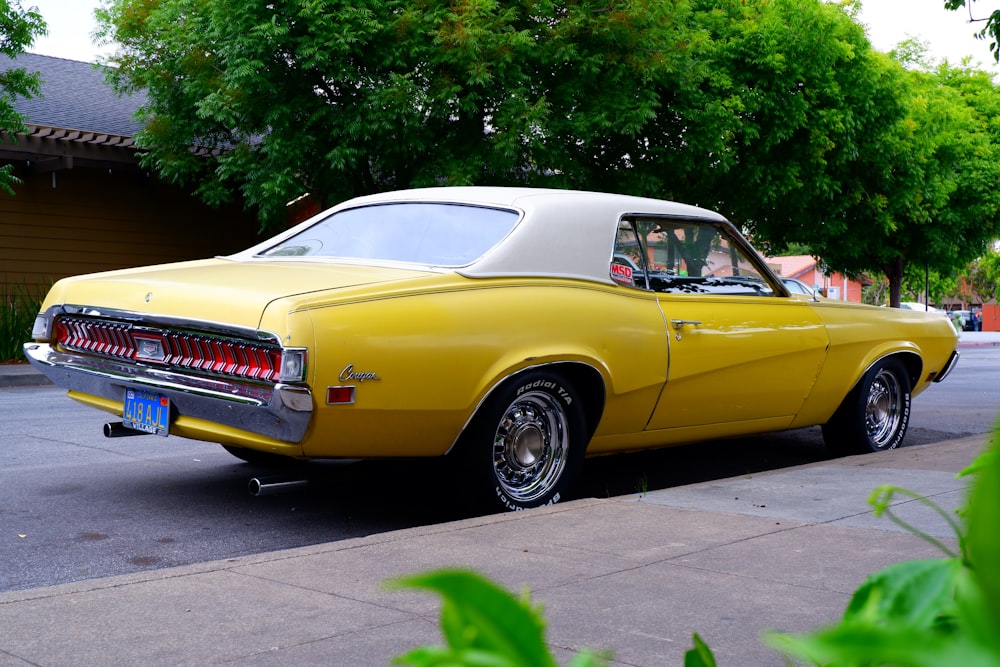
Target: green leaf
(700,655)
(913,592)
(857,643)
(984,529)
(588,658)
(482,623)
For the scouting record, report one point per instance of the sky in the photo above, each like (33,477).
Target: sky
(949,35)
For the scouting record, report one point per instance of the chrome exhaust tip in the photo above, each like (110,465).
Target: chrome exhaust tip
(119,430)
(266,486)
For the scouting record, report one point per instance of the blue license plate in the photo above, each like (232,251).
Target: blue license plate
(147,411)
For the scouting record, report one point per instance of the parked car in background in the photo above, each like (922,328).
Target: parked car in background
(798,287)
(916,305)
(512,330)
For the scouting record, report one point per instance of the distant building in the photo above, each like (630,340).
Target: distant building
(85,204)
(807,269)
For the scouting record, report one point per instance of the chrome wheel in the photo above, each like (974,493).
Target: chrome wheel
(884,408)
(531,446)
(875,414)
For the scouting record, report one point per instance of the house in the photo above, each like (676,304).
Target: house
(807,269)
(84,203)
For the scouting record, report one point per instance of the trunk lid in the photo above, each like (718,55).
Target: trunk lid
(217,290)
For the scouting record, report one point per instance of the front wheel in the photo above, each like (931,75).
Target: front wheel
(875,415)
(526,444)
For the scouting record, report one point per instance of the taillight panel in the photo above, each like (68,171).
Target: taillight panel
(197,351)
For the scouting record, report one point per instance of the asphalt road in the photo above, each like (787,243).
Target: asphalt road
(75,505)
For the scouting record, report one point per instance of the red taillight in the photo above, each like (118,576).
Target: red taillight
(211,354)
(101,338)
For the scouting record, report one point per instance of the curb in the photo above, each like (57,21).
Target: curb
(21,375)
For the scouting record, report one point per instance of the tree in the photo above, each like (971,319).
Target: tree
(928,181)
(778,136)
(990,29)
(736,105)
(983,277)
(776,112)
(920,282)
(339,98)
(18,28)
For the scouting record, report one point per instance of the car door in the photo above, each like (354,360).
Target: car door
(741,352)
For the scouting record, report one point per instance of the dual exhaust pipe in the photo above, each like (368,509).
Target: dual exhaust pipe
(258,486)
(120,430)
(269,486)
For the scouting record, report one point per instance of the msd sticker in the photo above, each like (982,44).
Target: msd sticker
(621,274)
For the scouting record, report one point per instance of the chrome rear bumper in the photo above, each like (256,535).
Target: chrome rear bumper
(279,411)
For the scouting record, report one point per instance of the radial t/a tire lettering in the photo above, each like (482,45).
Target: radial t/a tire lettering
(525,446)
(875,415)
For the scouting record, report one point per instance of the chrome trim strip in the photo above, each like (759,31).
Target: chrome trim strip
(281,411)
(159,322)
(948,367)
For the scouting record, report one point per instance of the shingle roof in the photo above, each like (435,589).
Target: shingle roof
(792,266)
(75,96)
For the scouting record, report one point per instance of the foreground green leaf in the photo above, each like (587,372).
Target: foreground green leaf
(984,530)
(482,624)
(913,592)
(700,655)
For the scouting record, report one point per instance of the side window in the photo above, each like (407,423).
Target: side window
(628,266)
(684,257)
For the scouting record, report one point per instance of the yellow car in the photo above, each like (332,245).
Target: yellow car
(516,330)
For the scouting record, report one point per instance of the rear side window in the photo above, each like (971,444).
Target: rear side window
(419,233)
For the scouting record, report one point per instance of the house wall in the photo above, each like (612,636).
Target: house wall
(84,220)
(991,317)
(836,280)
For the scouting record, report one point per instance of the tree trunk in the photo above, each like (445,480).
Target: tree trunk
(894,272)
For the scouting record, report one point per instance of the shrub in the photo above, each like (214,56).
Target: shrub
(18,307)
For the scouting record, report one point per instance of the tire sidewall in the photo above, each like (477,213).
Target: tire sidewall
(861,402)
(478,444)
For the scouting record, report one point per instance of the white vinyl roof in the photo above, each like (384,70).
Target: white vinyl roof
(562,233)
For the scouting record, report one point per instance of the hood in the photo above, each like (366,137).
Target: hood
(217,290)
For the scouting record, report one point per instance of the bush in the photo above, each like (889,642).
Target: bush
(18,307)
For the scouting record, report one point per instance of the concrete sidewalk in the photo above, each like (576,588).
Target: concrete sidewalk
(634,575)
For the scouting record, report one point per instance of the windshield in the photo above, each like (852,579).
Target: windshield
(421,233)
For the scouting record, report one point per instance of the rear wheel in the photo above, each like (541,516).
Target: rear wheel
(526,444)
(875,415)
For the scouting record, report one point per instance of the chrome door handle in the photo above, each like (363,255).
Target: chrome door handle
(679,324)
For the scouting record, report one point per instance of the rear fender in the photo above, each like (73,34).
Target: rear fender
(588,377)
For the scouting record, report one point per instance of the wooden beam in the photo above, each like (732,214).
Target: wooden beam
(48,164)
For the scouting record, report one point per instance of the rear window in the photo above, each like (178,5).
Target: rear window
(421,233)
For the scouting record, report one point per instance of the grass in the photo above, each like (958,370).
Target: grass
(642,485)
